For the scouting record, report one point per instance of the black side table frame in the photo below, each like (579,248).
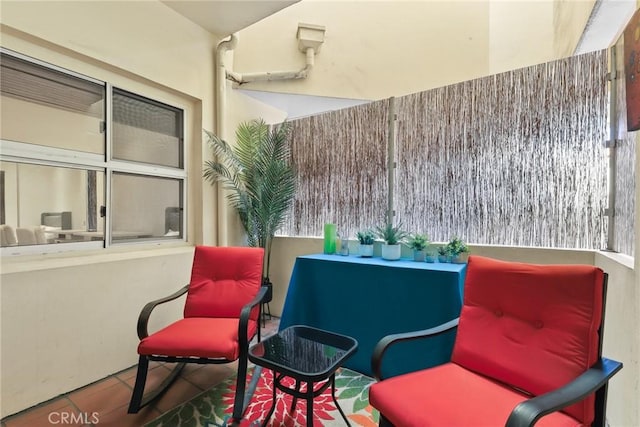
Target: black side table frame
(308,355)
(309,395)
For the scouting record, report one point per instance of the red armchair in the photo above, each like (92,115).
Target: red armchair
(221,316)
(527,350)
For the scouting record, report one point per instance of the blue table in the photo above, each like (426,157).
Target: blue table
(368,298)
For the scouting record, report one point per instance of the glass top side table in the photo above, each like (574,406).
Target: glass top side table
(308,355)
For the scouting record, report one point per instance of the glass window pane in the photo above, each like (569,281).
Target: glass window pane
(146,207)
(48,107)
(48,204)
(146,131)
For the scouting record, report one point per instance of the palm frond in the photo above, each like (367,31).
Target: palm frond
(215,171)
(223,151)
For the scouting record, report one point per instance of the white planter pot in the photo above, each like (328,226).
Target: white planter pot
(365,251)
(391,252)
(431,258)
(460,258)
(418,256)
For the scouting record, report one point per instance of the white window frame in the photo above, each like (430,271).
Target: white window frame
(22,152)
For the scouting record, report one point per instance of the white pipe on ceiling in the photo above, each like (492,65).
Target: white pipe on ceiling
(242,78)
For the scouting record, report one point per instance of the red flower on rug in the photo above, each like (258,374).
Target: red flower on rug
(262,399)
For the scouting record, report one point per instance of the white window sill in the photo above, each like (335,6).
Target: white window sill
(28,263)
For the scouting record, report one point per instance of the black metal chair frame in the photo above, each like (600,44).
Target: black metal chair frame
(241,400)
(527,413)
(266,309)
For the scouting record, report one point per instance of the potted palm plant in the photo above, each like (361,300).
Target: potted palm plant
(418,242)
(365,238)
(393,238)
(260,180)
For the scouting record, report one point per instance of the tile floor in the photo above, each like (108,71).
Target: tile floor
(105,402)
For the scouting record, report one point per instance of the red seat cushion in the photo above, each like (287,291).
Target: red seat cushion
(197,337)
(223,280)
(534,327)
(452,396)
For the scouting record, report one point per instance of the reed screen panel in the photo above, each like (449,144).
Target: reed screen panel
(340,159)
(516,158)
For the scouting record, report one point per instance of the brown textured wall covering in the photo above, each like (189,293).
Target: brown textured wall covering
(340,158)
(513,159)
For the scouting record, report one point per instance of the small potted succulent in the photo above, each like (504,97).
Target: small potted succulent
(444,255)
(458,250)
(431,255)
(393,238)
(418,242)
(365,238)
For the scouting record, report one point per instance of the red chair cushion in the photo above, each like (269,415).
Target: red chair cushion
(449,395)
(223,280)
(197,337)
(534,327)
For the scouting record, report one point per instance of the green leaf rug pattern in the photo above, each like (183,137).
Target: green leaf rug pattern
(214,407)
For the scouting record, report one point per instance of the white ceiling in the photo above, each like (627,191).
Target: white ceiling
(297,106)
(607,17)
(223,17)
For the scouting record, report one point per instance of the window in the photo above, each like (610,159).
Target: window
(147,189)
(84,164)
(45,204)
(47,107)
(146,131)
(145,206)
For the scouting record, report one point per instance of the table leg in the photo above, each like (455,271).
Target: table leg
(333,394)
(294,401)
(309,404)
(273,400)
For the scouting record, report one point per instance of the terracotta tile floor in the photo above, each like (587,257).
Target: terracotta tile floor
(109,397)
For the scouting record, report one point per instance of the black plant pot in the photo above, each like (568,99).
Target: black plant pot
(266,282)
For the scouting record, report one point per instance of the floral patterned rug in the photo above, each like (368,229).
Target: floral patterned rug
(213,408)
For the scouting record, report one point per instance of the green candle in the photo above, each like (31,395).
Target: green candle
(329,238)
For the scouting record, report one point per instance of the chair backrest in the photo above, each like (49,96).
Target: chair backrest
(223,280)
(533,327)
(7,236)
(41,237)
(26,236)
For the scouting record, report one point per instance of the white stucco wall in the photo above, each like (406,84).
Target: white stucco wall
(72,321)
(377,49)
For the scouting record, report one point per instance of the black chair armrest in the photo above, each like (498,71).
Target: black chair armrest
(243,338)
(387,341)
(529,411)
(143,319)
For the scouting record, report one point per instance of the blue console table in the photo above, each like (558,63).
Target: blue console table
(368,298)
